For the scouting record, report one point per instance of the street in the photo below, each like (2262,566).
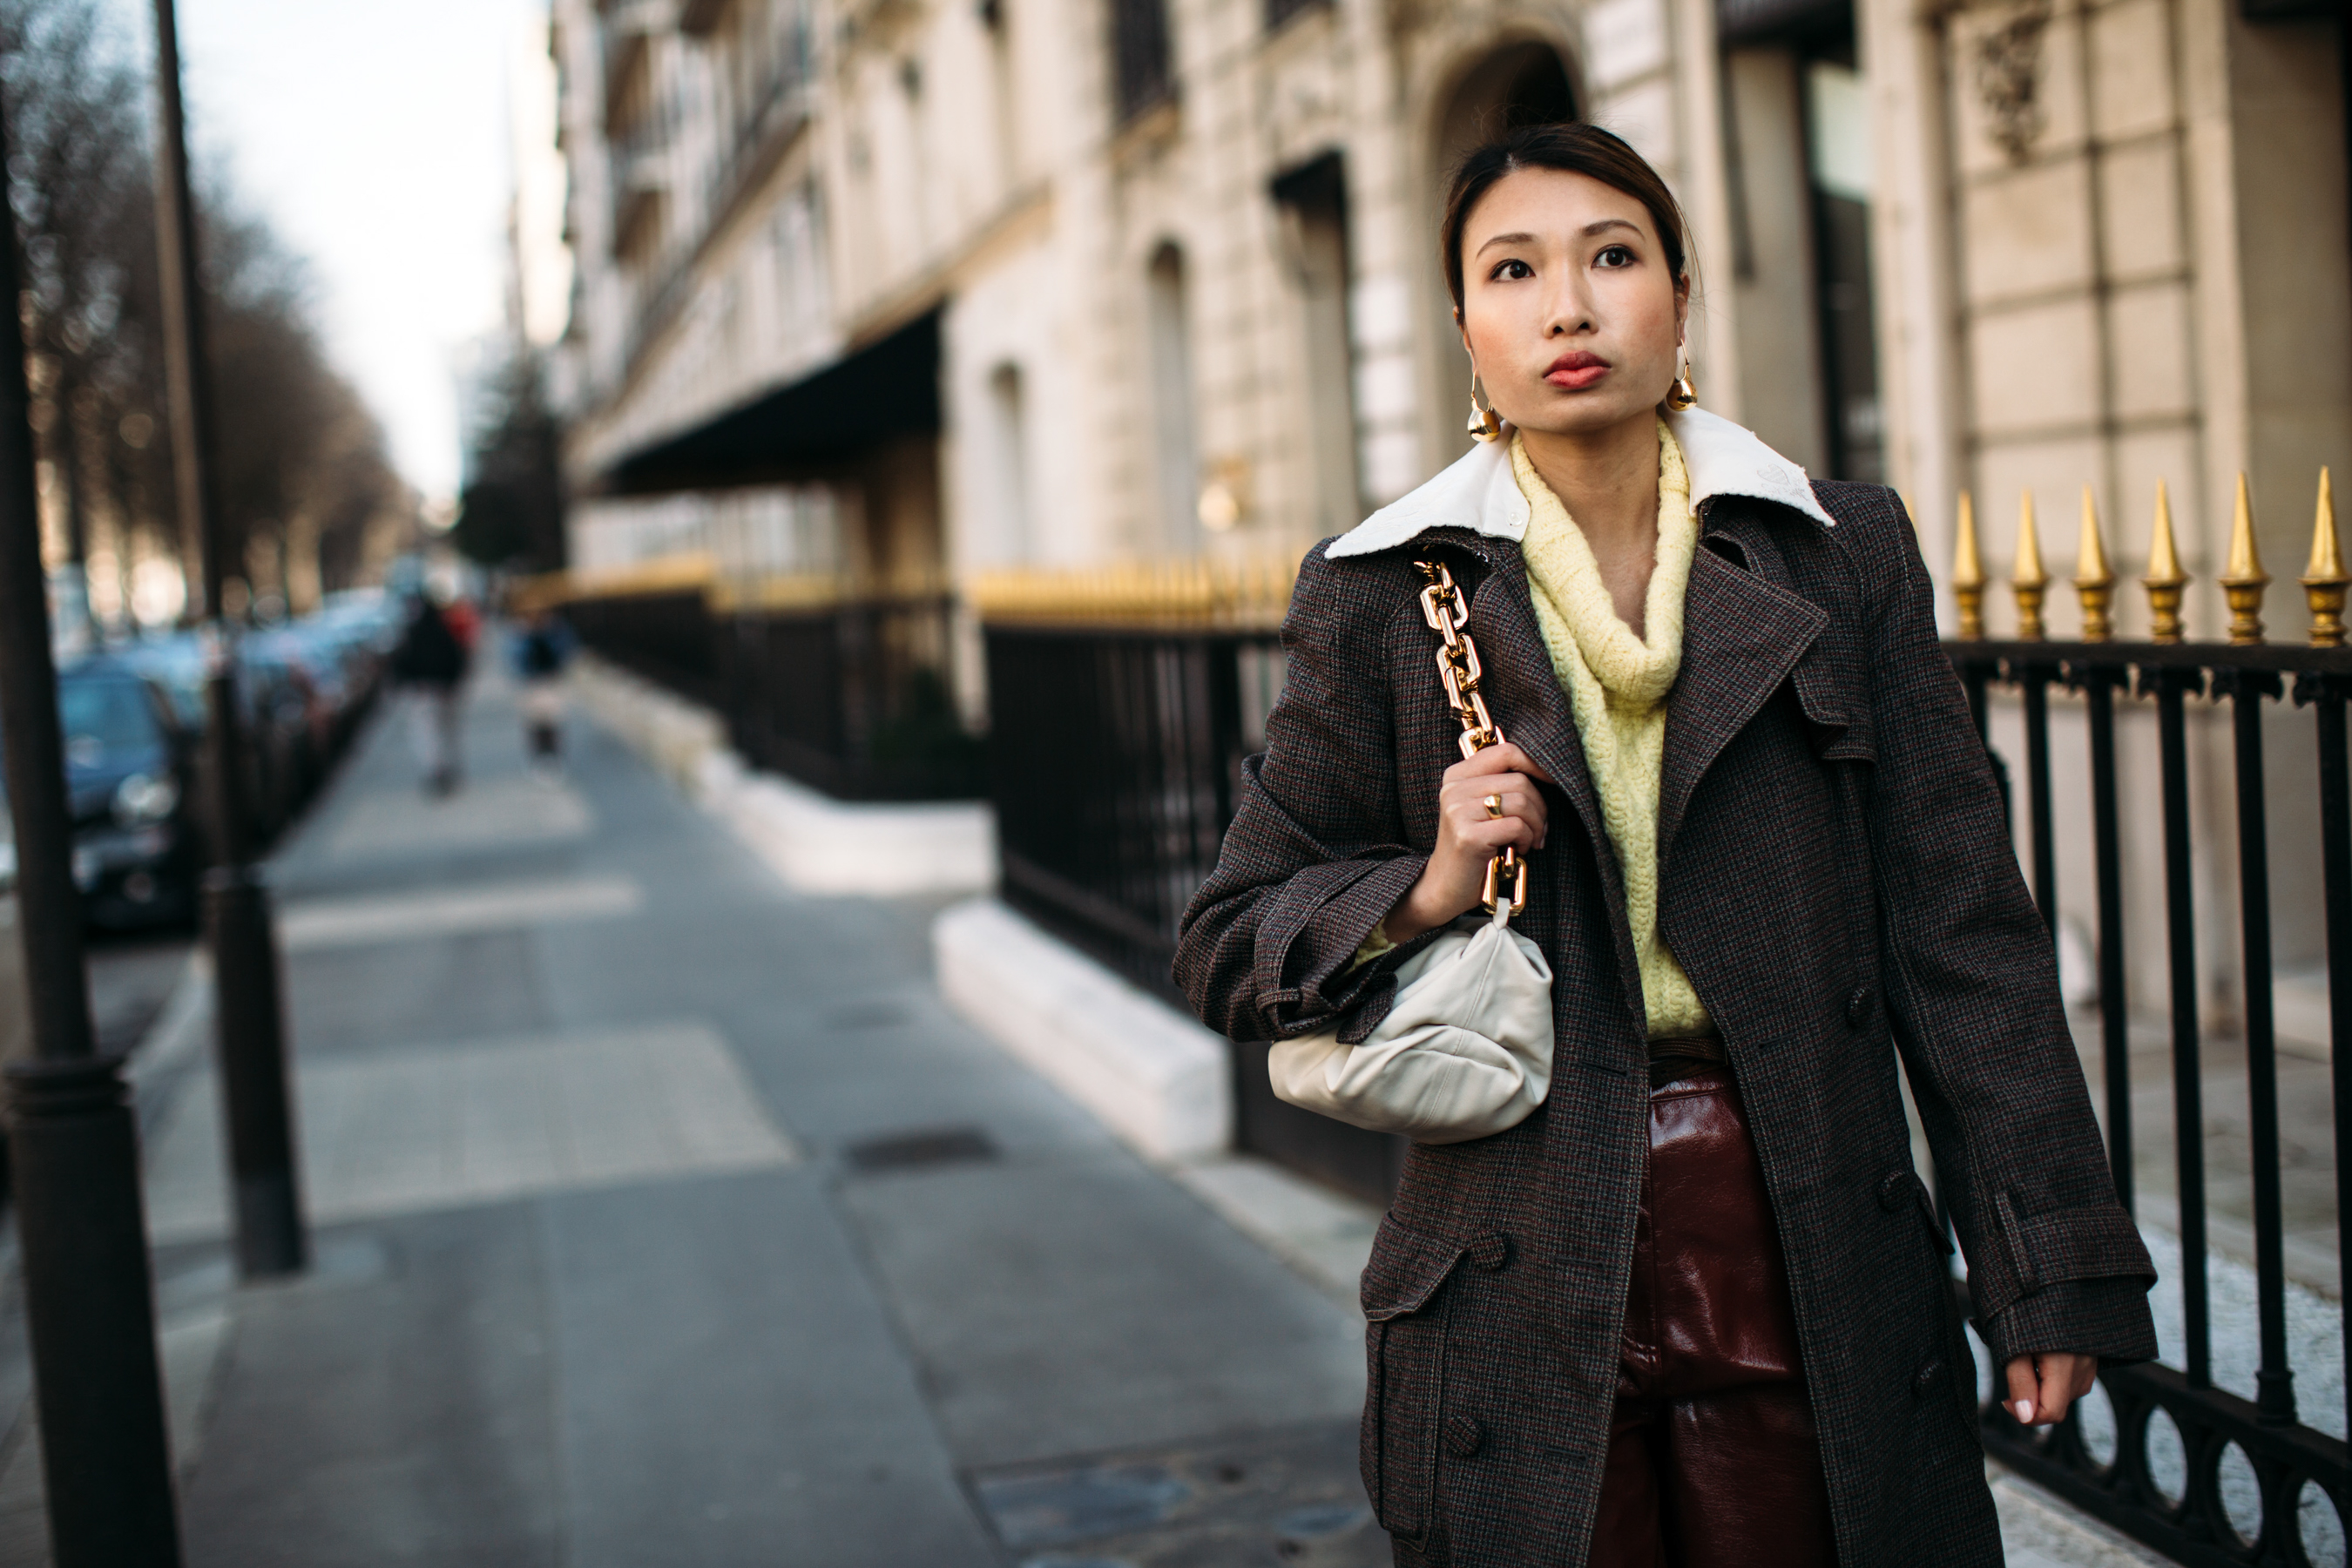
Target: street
(663,1216)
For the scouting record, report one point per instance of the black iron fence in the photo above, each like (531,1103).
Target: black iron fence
(1116,754)
(2200,1473)
(852,697)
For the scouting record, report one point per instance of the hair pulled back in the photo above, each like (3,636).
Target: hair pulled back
(1574,148)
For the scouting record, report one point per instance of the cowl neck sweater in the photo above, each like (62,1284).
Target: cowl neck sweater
(1617,686)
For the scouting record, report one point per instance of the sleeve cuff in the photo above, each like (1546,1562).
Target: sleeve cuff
(2108,1318)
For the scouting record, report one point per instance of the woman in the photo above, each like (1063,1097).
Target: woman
(1695,1309)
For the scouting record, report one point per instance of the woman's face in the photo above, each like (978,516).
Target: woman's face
(1568,310)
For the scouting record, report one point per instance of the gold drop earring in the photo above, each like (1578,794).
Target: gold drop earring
(1484,424)
(1681,396)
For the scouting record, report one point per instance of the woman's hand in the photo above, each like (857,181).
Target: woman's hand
(1469,835)
(2042,1386)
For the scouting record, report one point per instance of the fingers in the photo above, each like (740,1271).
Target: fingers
(1516,820)
(2041,1388)
(2023,1389)
(2064,1378)
(1505,758)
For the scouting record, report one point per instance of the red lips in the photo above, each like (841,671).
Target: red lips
(1577,371)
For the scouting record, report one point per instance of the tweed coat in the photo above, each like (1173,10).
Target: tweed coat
(1836,878)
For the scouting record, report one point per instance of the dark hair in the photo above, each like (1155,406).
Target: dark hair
(1573,148)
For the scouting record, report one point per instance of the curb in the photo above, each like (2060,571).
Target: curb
(1157,1080)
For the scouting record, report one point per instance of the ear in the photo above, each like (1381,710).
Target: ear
(1682,307)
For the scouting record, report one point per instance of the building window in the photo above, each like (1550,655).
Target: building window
(1277,11)
(1008,461)
(1837,146)
(1312,200)
(1141,72)
(1176,453)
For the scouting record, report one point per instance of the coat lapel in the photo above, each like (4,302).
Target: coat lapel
(1741,637)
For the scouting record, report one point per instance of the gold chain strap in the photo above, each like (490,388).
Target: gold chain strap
(1443,606)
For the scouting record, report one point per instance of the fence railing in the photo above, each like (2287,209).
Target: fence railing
(2194,1502)
(849,694)
(1122,702)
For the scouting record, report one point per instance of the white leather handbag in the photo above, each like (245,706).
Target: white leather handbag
(1465,1053)
(1466,1049)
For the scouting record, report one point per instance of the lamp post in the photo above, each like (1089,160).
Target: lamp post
(250,1016)
(72,1147)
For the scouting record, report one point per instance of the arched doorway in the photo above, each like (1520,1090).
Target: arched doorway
(1525,83)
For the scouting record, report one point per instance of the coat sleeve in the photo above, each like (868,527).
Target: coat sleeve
(2054,1262)
(1315,856)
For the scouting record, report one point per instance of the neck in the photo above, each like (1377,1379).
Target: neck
(1607,479)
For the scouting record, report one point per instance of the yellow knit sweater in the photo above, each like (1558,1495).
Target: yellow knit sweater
(1617,686)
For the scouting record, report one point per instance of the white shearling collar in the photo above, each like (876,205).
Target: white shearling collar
(1479,491)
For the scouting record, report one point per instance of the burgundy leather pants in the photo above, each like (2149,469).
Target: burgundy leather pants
(1713,1460)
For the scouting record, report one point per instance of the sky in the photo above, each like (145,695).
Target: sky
(375,136)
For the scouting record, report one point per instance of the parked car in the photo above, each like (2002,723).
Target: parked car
(302,687)
(136,853)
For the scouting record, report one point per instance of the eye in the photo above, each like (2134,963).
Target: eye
(1512,269)
(1614,256)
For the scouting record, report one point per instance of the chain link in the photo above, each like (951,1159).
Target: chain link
(1447,612)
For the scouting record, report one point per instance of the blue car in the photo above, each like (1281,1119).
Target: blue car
(137,854)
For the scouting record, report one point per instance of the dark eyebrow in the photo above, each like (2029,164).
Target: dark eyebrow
(1603,226)
(1506,239)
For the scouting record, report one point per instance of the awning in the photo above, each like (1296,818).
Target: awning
(888,388)
(1762,21)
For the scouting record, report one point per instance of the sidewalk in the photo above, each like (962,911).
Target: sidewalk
(663,1216)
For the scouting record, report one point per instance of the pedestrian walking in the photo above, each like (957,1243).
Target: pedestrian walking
(542,647)
(431,663)
(1689,1303)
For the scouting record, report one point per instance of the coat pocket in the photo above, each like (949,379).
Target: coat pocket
(1837,719)
(1404,1347)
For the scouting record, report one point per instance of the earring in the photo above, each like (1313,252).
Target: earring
(1681,395)
(1484,424)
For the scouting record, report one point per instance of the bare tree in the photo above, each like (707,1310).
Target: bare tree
(302,466)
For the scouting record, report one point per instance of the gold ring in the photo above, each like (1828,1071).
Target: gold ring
(1493,805)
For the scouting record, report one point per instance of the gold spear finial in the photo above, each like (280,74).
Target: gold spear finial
(2027,580)
(1967,572)
(2243,583)
(2094,580)
(2165,581)
(2324,580)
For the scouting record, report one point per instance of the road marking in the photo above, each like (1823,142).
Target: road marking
(315,923)
(413,1130)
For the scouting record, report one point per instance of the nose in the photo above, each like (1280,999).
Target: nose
(1569,311)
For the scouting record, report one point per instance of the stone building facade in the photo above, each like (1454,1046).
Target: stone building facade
(1178,252)
(907,292)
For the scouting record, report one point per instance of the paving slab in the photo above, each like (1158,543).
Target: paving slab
(667,1215)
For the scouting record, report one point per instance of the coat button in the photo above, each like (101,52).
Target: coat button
(1463,1436)
(1924,1381)
(1857,1007)
(1895,1191)
(1489,1253)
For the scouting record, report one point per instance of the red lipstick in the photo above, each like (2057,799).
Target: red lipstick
(1575,372)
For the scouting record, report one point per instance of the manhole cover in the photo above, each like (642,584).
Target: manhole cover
(915,1151)
(1289,1496)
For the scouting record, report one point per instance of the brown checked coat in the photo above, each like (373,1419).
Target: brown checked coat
(1838,883)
